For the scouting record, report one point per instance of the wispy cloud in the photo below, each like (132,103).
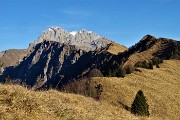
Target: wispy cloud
(75,12)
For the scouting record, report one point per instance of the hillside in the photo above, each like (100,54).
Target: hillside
(160,86)
(115,48)
(19,103)
(150,47)
(12,57)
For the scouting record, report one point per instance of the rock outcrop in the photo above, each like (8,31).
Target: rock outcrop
(83,39)
(53,64)
(58,56)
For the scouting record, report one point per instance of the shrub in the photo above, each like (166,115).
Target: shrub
(156,61)
(99,90)
(82,86)
(150,65)
(143,64)
(94,73)
(118,73)
(147,65)
(157,66)
(8,80)
(129,69)
(139,105)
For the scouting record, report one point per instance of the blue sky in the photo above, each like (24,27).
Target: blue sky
(123,21)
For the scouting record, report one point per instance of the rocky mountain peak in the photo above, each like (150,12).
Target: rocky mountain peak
(83,39)
(148,37)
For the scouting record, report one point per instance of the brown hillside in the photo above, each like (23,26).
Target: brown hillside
(19,103)
(12,57)
(115,48)
(150,47)
(160,86)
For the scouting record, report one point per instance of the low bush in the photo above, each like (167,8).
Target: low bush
(118,73)
(129,69)
(147,64)
(84,87)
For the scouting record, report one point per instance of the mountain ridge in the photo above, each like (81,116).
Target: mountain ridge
(52,62)
(83,39)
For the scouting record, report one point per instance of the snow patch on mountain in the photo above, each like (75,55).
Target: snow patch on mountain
(73,33)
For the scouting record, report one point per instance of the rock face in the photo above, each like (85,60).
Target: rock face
(83,39)
(53,64)
(58,56)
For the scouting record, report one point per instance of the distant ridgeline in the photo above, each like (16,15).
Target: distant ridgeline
(58,57)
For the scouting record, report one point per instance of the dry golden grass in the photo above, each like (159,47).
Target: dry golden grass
(161,87)
(19,103)
(115,48)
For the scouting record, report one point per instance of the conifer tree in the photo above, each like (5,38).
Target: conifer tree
(139,105)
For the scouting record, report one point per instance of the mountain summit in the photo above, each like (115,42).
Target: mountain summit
(83,39)
(58,56)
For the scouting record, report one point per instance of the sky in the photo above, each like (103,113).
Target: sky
(123,21)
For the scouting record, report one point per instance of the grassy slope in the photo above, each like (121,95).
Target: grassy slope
(116,48)
(19,103)
(160,86)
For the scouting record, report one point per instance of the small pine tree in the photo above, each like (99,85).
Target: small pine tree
(139,105)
